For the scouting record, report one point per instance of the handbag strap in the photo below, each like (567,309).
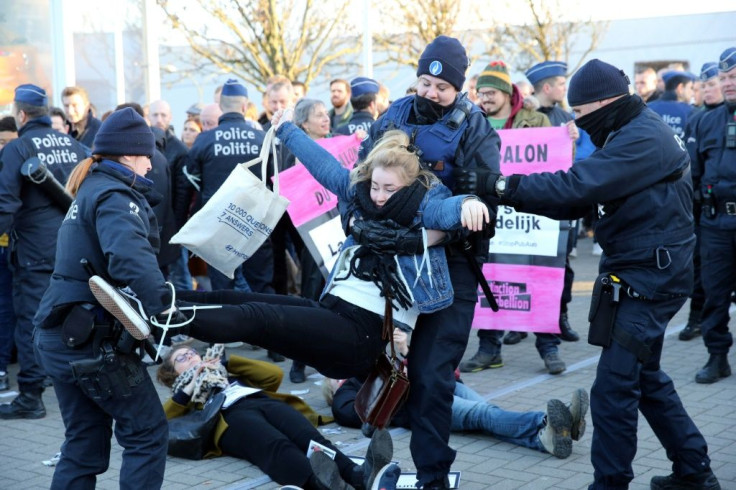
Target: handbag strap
(268,147)
(388,323)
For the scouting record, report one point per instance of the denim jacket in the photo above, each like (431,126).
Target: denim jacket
(426,275)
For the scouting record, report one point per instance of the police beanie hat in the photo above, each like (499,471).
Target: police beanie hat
(363,85)
(495,75)
(31,94)
(596,80)
(728,60)
(444,58)
(709,70)
(233,87)
(124,132)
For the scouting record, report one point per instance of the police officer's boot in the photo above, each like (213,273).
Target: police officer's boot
(692,329)
(27,405)
(566,332)
(716,368)
(705,480)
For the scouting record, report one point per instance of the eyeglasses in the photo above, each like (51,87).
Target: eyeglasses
(186,355)
(485,95)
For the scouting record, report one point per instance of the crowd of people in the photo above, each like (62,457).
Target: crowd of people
(88,276)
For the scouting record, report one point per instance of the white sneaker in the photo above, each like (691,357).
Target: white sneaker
(597,250)
(120,305)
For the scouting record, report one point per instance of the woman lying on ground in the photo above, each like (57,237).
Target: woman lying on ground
(340,335)
(271,430)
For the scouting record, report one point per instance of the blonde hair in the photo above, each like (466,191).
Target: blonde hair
(393,151)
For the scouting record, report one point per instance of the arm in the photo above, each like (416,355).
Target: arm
(258,374)
(11,183)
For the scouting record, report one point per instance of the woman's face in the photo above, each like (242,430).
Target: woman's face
(384,183)
(317,124)
(140,164)
(436,90)
(184,358)
(189,133)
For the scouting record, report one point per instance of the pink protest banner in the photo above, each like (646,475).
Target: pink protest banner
(313,209)
(307,197)
(527,267)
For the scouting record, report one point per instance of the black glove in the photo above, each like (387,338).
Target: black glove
(388,237)
(478,181)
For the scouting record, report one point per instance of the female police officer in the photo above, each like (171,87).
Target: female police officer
(111,229)
(450,134)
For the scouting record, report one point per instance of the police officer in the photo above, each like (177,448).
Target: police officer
(712,98)
(715,161)
(363,93)
(97,376)
(32,216)
(674,104)
(647,262)
(213,156)
(451,133)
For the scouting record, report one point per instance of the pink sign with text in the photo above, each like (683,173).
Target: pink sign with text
(527,267)
(307,197)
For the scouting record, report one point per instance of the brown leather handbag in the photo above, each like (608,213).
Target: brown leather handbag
(387,386)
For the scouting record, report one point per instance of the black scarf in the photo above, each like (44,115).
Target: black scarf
(370,264)
(429,112)
(611,117)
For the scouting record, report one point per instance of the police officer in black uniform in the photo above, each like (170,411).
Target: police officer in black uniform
(363,91)
(674,104)
(110,230)
(712,98)
(213,156)
(646,270)
(715,161)
(450,133)
(31,210)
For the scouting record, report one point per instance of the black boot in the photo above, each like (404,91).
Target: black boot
(701,481)
(27,405)
(296,373)
(692,329)
(566,332)
(716,368)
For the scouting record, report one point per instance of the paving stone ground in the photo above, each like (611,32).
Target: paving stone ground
(521,385)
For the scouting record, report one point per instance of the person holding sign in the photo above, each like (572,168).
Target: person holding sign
(647,270)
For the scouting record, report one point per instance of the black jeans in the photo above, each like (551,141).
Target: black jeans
(275,437)
(338,339)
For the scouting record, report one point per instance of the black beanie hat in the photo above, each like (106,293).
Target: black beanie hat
(444,58)
(124,132)
(596,80)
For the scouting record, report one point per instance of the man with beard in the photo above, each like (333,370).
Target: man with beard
(342,110)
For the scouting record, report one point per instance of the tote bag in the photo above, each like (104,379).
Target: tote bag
(239,217)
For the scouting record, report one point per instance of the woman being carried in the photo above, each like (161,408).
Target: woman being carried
(340,335)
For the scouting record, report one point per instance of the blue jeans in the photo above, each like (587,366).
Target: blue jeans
(471,412)
(179,272)
(7,312)
(140,424)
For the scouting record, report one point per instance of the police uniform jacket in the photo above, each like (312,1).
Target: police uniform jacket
(360,120)
(716,165)
(24,206)
(641,180)
(557,116)
(112,225)
(674,113)
(216,152)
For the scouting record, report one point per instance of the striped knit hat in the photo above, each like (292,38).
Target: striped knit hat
(495,75)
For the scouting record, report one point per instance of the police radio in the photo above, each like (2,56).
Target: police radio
(731,133)
(460,112)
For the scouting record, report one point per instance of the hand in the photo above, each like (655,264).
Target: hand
(474,214)
(401,341)
(478,181)
(281,116)
(388,237)
(189,389)
(360,134)
(572,130)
